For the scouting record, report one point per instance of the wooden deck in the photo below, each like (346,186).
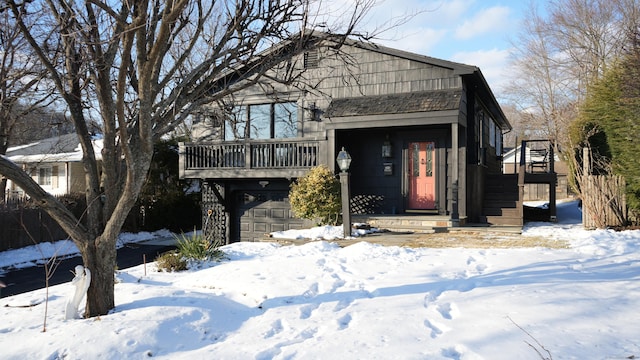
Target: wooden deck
(274,158)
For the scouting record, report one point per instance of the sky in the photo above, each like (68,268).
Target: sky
(363,301)
(472,32)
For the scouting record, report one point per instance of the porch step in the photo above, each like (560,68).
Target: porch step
(408,223)
(502,211)
(500,188)
(502,205)
(499,203)
(503,220)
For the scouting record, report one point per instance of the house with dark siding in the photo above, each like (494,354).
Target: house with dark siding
(424,134)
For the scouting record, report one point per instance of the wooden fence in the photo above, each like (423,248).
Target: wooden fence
(21,225)
(603,201)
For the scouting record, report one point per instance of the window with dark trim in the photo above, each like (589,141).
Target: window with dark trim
(262,121)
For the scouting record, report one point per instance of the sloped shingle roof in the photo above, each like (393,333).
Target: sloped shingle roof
(436,100)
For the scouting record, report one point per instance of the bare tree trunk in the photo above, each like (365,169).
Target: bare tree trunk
(100,257)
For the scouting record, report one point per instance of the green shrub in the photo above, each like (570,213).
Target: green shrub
(197,247)
(316,196)
(171,261)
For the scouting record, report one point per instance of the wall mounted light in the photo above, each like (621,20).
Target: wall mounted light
(387,149)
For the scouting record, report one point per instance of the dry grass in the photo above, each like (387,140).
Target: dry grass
(482,240)
(455,239)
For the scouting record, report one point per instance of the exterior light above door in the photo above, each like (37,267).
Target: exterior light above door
(387,149)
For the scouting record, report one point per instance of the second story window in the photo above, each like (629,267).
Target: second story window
(262,121)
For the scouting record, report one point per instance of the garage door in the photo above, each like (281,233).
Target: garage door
(263,212)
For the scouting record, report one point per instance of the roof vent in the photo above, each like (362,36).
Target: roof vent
(311,59)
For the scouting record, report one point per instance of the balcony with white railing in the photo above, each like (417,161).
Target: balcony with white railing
(275,158)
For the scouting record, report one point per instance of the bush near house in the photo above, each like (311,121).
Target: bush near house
(316,196)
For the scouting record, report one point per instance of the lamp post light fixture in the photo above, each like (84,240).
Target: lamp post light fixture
(344,161)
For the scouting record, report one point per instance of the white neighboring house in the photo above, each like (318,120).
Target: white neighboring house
(511,160)
(55,163)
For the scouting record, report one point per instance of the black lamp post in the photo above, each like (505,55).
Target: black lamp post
(344,161)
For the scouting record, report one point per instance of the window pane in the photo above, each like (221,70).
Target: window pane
(416,159)
(286,120)
(429,159)
(235,124)
(260,121)
(44,177)
(492,134)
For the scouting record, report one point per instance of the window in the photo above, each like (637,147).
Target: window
(492,134)
(44,176)
(262,121)
(55,174)
(285,120)
(236,124)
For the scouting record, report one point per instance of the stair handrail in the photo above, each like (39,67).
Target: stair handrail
(523,162)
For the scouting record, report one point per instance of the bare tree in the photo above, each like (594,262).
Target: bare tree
(142,66)
(559,54)
(19,80)
(540,87)
(524,126)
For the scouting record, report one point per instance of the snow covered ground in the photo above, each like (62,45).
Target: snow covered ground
(364,301)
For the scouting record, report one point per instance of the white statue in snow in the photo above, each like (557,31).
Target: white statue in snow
(81,282)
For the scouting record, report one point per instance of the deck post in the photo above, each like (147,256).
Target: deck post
(455,175)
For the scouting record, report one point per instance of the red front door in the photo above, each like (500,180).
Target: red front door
(422,184)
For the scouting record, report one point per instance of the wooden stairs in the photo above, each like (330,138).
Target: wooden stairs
(502,205)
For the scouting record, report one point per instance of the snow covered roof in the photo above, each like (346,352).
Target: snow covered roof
(64,148)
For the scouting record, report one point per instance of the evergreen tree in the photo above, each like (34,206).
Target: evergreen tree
(609,123)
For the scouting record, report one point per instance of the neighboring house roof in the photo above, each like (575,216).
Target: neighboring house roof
(64,148)
(396,104)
